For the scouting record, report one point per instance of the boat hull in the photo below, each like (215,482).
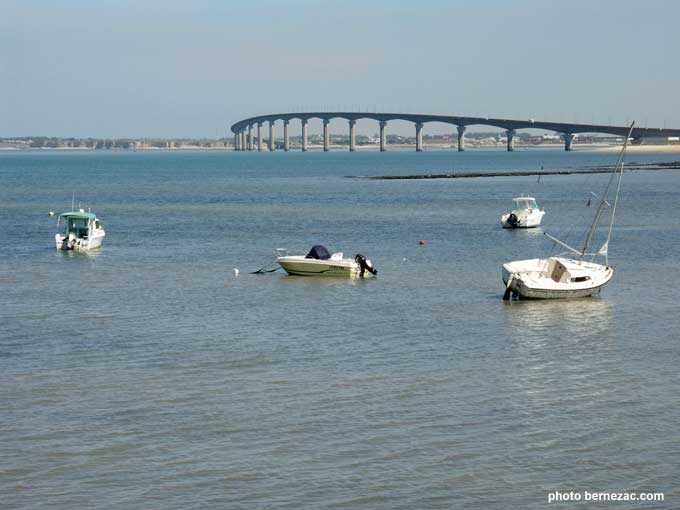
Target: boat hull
(79,244)
(300,266)
(525,220)
(526,292)
(527,279)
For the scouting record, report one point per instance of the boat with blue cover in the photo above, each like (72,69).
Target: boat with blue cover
(320,262)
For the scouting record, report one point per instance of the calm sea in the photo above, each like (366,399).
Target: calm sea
(147,375)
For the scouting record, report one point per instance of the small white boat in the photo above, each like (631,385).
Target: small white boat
(560,277)
(525,214)
(319,262)
(79,230)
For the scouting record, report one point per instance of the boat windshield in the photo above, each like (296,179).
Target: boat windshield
(77,226)
(525,203)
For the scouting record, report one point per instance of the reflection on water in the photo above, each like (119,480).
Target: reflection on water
(559,344)
(529,232)
(545,319)
(315,281)
(78,255)
(560,349)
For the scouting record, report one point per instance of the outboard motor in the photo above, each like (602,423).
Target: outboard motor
(365,265)
(513,220)
(71,240)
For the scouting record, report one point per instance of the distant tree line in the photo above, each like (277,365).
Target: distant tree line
(48,142)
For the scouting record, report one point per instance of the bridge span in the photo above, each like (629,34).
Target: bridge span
(244,136)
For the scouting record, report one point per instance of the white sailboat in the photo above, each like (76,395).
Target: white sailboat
(563,277)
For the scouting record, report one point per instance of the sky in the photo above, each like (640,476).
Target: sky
(191,69)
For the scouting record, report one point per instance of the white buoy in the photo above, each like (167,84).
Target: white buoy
(51,213)
(235,272)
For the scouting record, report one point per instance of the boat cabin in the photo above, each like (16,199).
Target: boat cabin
(524,204)
(564,271)
(77,223)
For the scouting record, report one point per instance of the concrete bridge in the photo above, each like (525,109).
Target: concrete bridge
(244,130)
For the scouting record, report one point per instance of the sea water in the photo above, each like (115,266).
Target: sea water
(147,374)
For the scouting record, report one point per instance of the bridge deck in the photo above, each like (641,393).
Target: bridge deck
(566,128)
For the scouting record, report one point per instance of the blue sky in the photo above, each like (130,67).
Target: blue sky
(169,69)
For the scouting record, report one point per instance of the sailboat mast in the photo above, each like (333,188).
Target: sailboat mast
(616,198)
(603,202)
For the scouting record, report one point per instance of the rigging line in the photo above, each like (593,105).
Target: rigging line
(600,209)
(263,269)
(575,226)
(581,214)
(268,271)
(564,245)
(585,213)
(616,197)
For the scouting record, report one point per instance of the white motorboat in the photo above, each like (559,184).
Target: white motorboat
(525,214)
(561,277)
(79,230)
(319,262)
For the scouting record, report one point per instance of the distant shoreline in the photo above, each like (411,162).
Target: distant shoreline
(665,148)
(92,149)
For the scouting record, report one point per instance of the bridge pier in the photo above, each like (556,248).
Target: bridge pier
(250,137)
(419,137)
(568,139)
(383,136)
(461,138)
(236,140)
(326,136)
(510,134)
(244,144)
(352,143)
(304,134)
(259,136)
(286,143)
(271,135)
